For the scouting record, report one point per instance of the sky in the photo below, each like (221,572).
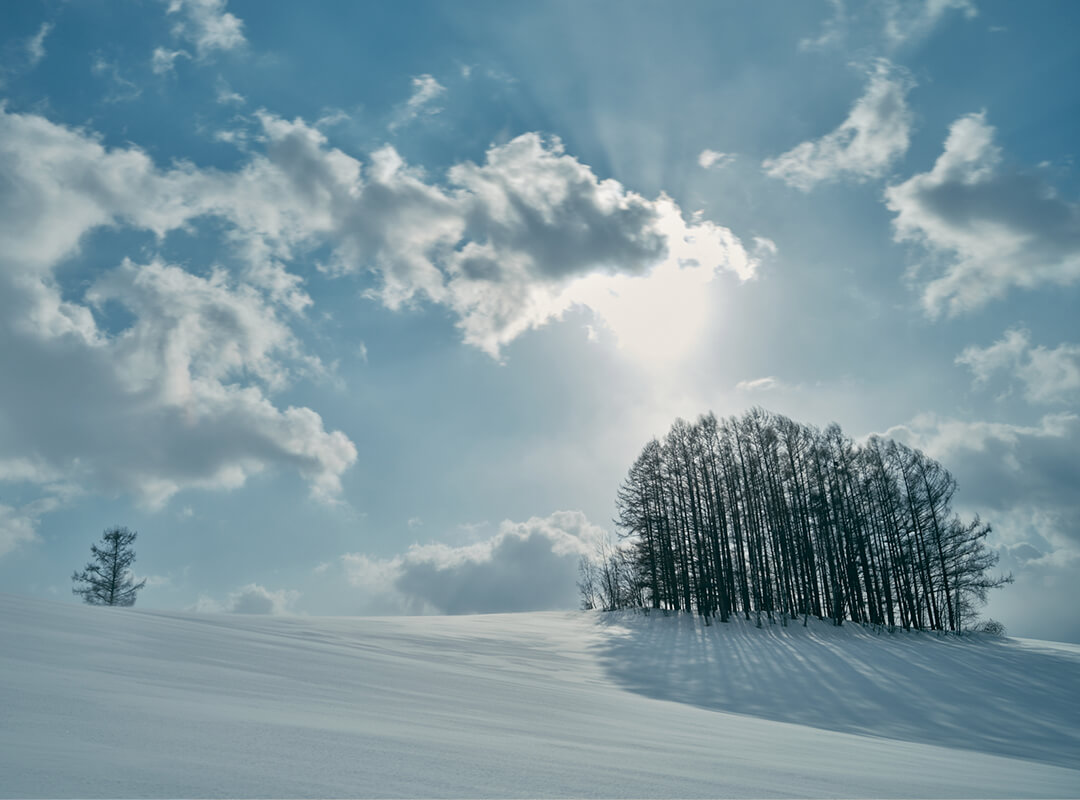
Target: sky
(359,308)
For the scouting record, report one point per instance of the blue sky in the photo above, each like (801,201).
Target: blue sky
(367,308)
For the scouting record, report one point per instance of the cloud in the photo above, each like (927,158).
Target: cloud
(1003,467)
(35,45)
(912,20)
(16,528)
(1022,479)
(526,566)
(888,24)
(760,385)
(226,96)
(163,61)
(121,89)
(175,370)
(175,397)
(994,228)
(713,159)
(250,599)
(874,135)
(206,25)
(425,91)
(833,30)
(1048,375)
(508,245)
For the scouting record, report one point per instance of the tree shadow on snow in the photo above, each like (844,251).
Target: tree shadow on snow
(978,693)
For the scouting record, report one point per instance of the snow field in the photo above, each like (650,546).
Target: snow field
(99,702)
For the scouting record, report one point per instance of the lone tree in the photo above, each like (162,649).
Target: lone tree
(107,581)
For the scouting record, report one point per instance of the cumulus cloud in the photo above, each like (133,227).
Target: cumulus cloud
(250,599)
(526,566)
(206,25)
(1049,375)
(874,135)
(508,245)
(425,91)
(178,397)
(994,228)
(174,370)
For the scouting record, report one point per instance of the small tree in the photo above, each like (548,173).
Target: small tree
(107,580)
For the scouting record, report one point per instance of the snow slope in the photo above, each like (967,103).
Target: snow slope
(118,702)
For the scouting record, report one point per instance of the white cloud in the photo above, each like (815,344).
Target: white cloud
(874,135)
(121,89)
(35,45)
(760,384)
(995,229)
(163,61)
(888,24)
(178,398)
(1048,375)
(178,395)
(911,20)
(207,25)
(226,96)
(256,599)
(508,245)
(250,599)
(713,159)
(833,30)
(425,91)
(526,566)
(16,527)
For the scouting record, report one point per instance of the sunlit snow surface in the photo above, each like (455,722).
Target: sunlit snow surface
(107,702)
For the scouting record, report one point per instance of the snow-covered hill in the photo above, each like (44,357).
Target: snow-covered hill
(109,702)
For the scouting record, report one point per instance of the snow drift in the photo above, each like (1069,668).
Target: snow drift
(119,702)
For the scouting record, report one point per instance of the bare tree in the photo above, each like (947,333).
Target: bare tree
(764,516)
(107,580)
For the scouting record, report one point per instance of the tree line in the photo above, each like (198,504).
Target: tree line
(766,516)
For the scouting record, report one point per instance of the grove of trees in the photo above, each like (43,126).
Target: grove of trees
(765,516)
(107,579)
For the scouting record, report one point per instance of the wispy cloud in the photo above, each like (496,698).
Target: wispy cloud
(883,25)
(766,384)
(422,102)
(713,159)
(35,45)
(121,89)
(163,60)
